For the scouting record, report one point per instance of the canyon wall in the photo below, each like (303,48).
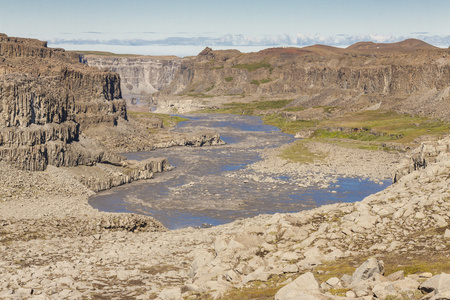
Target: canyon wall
(46,99)
(409,77)
(139,74)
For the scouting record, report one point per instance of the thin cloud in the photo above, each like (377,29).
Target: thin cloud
(231,40)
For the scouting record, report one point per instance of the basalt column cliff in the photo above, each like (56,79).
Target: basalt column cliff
(46,99)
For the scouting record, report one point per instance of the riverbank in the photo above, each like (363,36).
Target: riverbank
(321,163)
(45,253)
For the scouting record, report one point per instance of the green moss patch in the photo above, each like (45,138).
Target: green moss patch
(168,120)
(258,82)
(299,152)
(257,290)
(388,126)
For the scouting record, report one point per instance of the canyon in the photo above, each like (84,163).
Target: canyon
(63,123)
(57,111)
(407,77)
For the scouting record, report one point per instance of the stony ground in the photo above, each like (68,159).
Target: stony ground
(58,247)
(337,162)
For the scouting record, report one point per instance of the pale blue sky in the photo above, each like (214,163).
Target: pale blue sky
(185,27)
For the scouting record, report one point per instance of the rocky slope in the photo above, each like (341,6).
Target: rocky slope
(58,247)
(410,77)
(139,74)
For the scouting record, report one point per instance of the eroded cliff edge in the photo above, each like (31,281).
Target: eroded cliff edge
(407,77)
(46,99)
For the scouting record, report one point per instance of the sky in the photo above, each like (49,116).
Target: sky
(185,27)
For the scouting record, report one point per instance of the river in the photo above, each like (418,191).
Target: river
(213,185)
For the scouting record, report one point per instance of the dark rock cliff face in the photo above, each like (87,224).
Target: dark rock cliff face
(46,99)
(410,76)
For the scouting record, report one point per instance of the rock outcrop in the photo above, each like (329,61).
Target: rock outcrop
(46,99)
(105,176)
(419,158)
(200,139)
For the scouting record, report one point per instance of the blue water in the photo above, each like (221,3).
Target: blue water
(209,184)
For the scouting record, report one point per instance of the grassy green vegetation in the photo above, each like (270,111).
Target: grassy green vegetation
(200,95)
(435,262)
(352,144)
(217,68)
(363,130)
(229,79)
(337,268)
(209,88)
(339,292)
(258,82)
(327,109)
(168,120)
(388,125)
(252,66)
(288,125)
(359,136)
(266,80)
(374,127)
(294,108)
(299,152)
(257,290)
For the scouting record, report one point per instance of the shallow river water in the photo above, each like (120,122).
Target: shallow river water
(208,185)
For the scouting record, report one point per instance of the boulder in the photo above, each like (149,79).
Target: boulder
(304,287)
(383,290)
(437,284)
(399,275)
(406,284)
(447,234)
(367,270)
(441,296)
(170,293)
(259,275)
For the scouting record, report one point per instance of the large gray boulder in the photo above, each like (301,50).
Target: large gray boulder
(304,287)
(438,284)
(367,270)
(441,296)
